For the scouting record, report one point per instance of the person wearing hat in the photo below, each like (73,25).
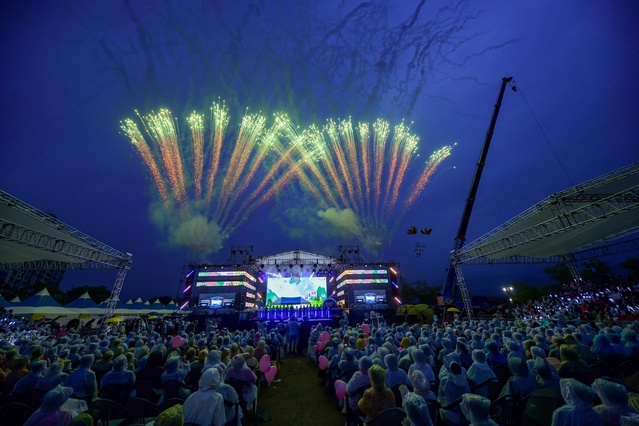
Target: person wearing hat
(379,397)
(51,412)
(206,405)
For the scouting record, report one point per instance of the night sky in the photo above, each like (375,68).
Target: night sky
(72,71)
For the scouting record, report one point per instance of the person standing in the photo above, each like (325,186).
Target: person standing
(293,330)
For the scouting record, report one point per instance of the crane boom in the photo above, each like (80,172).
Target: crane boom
(449,283)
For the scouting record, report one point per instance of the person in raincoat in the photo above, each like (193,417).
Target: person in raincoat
(476,409)
(614,398)
(394,375)
(206,406)
(479,371)
(452,386)
(379,397)
(82,380)
(416,410)
(51,412)
(421,364)
(521,383)
(578,410)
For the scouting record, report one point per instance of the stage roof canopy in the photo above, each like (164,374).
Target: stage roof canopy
(594,214)
(32,239)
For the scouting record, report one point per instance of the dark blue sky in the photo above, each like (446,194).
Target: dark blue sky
(72,72)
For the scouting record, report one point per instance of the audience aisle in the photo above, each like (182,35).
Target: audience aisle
(299,399)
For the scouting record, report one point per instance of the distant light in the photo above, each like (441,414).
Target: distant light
(186,289)
(398,301)
(393,271)
(190,273)
(185,303)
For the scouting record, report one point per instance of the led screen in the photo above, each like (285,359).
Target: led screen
(217,300)
(296,290)
(370,297)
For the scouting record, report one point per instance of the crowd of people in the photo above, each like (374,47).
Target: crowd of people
(463,370)
(611,300)
(217,372)
(573,356)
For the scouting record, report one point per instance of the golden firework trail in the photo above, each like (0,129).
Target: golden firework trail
(196,177)
(366,170)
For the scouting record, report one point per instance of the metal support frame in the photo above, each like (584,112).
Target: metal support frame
(115,293)
(81,250)
(463,290)
(597,207)
(571,263)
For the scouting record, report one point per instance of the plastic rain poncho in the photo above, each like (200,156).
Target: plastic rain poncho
(394,375)
(578,410)
(206,406)
(416,410)
(480,371)
(614,398)
(51,411)
(476,409)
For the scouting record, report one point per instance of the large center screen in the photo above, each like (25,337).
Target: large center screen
(296,290)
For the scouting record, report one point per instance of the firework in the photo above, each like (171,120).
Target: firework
(365,171)
(210,184)
(197,184)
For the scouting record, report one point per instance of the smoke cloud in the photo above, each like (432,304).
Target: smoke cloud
(344,221)
(196,233)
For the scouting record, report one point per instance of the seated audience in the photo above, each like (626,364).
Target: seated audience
(206,405)
(379,397)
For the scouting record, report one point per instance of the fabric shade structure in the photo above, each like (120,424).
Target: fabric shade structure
(84,305)
(40,303)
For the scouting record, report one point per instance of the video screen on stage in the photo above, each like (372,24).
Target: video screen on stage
(217,300)
(370,297)
(296,290)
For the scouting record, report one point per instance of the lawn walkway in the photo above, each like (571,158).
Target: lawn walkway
(299,399)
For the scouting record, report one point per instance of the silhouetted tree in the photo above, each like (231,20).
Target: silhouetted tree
(631,264)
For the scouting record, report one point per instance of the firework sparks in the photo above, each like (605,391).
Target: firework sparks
(200,194)
(365,174)
(357,172)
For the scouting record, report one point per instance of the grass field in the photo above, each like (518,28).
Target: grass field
(299,399)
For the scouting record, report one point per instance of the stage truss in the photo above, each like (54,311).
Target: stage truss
(34,240)
(596,218)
